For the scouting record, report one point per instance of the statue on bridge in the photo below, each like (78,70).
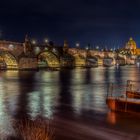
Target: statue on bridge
(28,47)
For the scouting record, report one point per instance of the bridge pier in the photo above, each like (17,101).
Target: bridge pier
(28,63)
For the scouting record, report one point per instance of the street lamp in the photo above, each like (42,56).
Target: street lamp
(11,47)
(46,49)
(46,40)
(87,47)
(33,42)
(54,50)
(77,45)
(97,47)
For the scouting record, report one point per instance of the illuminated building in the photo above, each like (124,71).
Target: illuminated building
(131,47)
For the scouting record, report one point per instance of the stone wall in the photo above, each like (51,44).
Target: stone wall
(28,63)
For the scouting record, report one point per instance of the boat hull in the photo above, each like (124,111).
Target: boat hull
(134,94)
(123,105)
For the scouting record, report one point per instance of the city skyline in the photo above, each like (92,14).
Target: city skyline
(97,22)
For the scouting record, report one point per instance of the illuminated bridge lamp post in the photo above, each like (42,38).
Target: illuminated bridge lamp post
(87,48)
(77,45)
(97,48)
(46,40)
(34,42)
(54,50)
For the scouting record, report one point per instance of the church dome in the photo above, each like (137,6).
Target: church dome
(131,44)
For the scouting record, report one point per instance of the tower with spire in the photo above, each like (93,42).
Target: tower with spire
(66,46)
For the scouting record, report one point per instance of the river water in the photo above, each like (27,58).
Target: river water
(74,101)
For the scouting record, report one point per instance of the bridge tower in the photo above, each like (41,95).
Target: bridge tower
(27,59)
(66,46)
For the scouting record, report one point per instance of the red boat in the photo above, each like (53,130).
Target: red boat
(132,90)
(127,102)
(133,94)
(123,104)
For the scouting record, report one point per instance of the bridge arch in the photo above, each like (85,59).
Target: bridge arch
(8,60)
(92,59)
(96,57)
(48,59)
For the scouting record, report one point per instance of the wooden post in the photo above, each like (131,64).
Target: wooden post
(111,89)
(126,104)
(108,87)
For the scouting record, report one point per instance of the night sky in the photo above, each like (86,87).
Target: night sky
(107,23)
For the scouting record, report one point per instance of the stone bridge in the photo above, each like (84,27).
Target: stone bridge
(26,55)
(91,53)
(15,55)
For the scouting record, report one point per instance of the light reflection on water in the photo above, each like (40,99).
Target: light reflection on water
(5,109)
(65,93)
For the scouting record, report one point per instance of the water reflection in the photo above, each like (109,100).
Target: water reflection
(118,75)
(5,124)
(78,93)
(26,86)
(90,95)
(48,94)
(98,75)
(65,97)
(111,117)
(45,95)
(8,90)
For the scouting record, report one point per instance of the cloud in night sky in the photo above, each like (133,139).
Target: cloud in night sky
(99,22)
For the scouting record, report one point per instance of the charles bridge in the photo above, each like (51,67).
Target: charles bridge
(27,55)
